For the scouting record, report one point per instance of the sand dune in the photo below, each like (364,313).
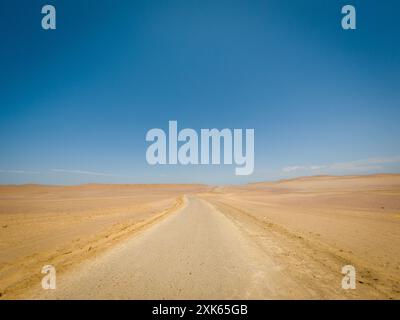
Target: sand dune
(64,225)
(285,239)
(328,221)
(194,254)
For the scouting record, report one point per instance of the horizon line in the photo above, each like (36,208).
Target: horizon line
(198,183)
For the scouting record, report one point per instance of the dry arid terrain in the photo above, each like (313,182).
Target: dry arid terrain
(316,225)
(274,240)
(65,225)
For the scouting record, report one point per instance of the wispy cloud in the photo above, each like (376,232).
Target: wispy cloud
(19,172)
(293,168)
(356,166)
(89,173)
(83,172)
(79,172)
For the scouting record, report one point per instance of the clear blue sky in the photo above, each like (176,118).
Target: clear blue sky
(76,103)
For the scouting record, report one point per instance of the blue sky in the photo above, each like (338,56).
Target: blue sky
(76,103)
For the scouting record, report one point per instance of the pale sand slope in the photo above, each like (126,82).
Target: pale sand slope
(316,225)
(62,226)
(287,239)
(198,253)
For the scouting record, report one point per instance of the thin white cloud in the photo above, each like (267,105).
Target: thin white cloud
(19,172)
(317,167)
(83,172)
(293,168)
(89,173)
(358,165)
(384,160)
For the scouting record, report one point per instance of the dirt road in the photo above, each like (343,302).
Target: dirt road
(196,253)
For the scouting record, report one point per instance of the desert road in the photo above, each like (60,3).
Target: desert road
(282,240)
(196,253)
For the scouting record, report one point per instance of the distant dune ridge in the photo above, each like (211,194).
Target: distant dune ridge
(309,227)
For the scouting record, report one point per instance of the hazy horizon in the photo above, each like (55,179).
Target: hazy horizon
(205,184)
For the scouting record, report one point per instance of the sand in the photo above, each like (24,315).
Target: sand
(197,253)
(287,239)
(322,223)
(65,225)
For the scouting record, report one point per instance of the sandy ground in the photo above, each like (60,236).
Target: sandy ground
(197,253)
(287,239)
(318,224)
(64,226)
